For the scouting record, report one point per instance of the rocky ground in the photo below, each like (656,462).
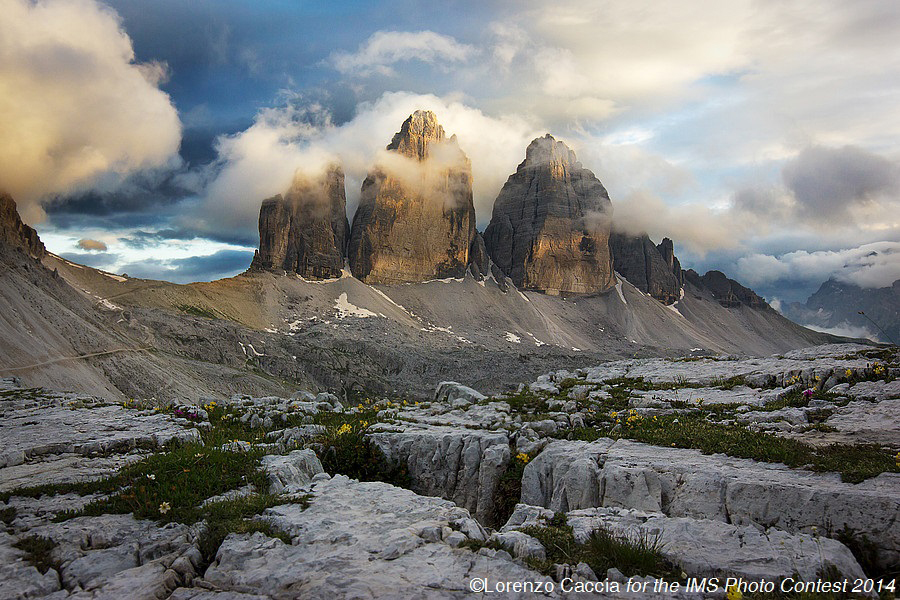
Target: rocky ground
(616,476)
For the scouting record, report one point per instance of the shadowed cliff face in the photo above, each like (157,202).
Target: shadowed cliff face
(305,232)
(415,220)
(652,269)
(16,233)
(550,227)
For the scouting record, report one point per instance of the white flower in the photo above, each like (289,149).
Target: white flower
(164,508)
(151,477)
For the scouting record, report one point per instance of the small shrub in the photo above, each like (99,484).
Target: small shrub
(602,551)
(7,514)
(39,552)
(347,449)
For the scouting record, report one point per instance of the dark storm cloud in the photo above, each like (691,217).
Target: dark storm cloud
(224,263)
(828,183)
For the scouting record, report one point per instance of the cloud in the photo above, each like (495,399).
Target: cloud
(98,260)
(385,48)
(263,160)
(92,245)
(868,266)
(830,183)
(694,225)
(75,104)
(224,263)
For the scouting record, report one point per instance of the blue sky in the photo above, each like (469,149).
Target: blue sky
(762,137)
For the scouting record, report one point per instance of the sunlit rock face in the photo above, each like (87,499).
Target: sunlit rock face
(14,232)
(415,220)
(551,222)
(305,231)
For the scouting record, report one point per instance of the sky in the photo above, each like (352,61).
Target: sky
(762,137)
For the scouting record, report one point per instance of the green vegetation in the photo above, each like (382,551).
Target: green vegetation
(509,488)
(344,447)
(38,552)
(602,551)
(7,514)
(236,516)
(197,311)
(855,463)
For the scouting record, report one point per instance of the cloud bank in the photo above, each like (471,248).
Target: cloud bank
(75,104)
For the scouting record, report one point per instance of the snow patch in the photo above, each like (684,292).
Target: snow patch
(619,290)
(511,337)
(674,309)
(109,305)
(345,309)
(536,341)
(114,277)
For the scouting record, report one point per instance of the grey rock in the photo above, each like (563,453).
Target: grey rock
(293,472)
(416,219)
(306,231)
(549,230)
(450,391)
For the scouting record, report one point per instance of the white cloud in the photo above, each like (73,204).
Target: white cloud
(385,48)
(868,266)
(75,104)
(261,161)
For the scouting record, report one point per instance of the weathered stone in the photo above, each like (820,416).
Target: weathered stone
(306,231)
(15,233)
(416,219)
(573,475)
(459,465)
(550,226)
(291,472)
(359,540)
(450,391)
(650,268)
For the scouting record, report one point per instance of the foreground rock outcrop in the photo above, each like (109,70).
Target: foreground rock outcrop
(416,219)
(305,231)
(550,227)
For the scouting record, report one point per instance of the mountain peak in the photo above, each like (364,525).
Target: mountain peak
(420,130)
(16,233)
(548,150)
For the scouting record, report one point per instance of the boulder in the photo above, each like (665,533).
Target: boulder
(292,472)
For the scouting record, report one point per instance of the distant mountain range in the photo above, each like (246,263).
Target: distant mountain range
(408,295)
(836,307)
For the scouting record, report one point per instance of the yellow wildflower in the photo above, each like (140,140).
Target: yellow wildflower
(523,458)
(345,428)
(849,372)
(733,593)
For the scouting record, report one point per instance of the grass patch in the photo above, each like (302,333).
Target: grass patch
(197,311)
(38,552)
(509,489)
(235,516)
(168,487)
(855,463)
(602,551)
(527,402)
(344,447)
(7,514)
(729,383)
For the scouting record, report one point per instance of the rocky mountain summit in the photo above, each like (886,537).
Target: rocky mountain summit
(550,226)
(15,233)
(836,306)
(727,291)
(306,231)
(416,219)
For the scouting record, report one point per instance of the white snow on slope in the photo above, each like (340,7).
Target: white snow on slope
(345,309)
